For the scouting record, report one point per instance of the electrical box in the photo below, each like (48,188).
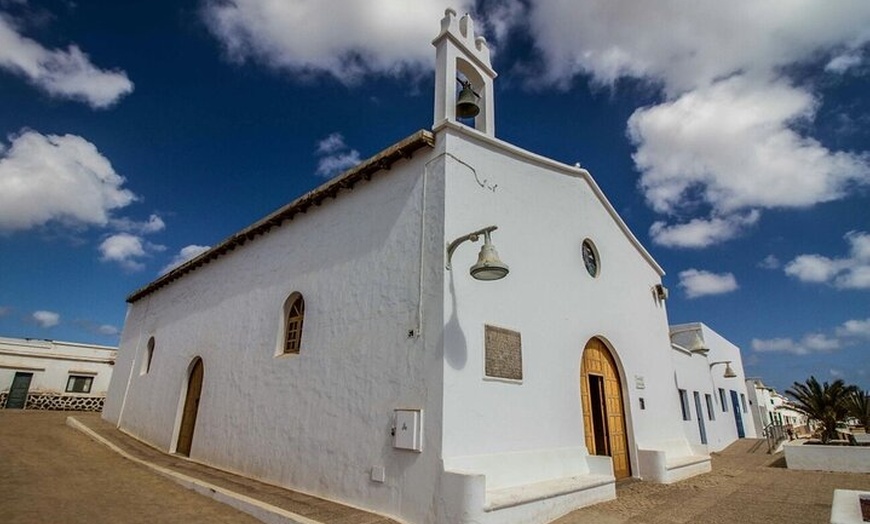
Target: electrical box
(408,432)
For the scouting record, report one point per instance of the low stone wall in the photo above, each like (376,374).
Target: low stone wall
(815,457)
(57,402)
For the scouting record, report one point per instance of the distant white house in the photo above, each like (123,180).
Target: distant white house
(771,408)
(54,375)
(354,346)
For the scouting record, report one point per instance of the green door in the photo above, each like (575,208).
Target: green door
(18,392)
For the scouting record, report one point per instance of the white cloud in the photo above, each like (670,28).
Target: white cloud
(850,272)
(810,343)
(332,165)
(47,178)
(343,38)
(849,333)
(332,143)
(698,283)
(335,155)
(770,262)
(186,253)
(688,45)
(127,250)
(842,63)
(46,319)
(699,232)
(62,73)
(855,328)
(730,147)
(725,137)
(154,224)
(108,330)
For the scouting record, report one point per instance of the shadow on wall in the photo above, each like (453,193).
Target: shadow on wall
(455,344)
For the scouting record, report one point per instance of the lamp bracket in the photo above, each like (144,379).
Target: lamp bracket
(474,237)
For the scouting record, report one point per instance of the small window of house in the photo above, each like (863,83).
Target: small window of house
(743,402)
(79,384)
(684,404)
(711,414)
(294,312)
(149,355)
(723,401)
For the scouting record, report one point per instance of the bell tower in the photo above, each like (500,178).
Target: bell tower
(462,63)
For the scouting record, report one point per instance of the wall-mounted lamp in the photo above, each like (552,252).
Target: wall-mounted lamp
(729,373)
(661,292)
(488,266)
(698,345)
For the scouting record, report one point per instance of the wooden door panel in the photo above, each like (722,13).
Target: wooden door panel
(597,360)
(191,408)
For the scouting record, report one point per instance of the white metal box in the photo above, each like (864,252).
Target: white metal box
(408,433)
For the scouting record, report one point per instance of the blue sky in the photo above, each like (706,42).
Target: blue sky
(732,137)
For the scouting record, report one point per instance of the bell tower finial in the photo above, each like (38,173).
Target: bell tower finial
(462,62)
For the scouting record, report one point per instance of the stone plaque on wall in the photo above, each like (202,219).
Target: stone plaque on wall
(504,353)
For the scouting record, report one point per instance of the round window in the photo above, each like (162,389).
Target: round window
(590,258)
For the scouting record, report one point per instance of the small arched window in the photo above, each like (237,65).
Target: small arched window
(149,354)
(294,312)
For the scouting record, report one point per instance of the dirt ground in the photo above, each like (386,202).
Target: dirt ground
(744,488)
(50,473)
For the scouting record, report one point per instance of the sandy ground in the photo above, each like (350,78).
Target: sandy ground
(50,473)
(744,488)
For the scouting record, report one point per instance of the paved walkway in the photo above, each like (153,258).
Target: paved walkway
(50,473)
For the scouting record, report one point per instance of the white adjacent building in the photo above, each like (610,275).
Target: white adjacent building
(715,405)
(54,375)
(342,347)
(771,408)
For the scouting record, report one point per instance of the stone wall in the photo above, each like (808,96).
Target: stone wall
(57,402)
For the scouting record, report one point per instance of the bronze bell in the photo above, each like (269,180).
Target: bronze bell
(466,104)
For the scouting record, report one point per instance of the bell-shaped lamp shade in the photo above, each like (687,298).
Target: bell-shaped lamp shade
(729,373)
(698,345)
(488,266)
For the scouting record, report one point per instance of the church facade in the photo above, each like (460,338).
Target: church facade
(342,347)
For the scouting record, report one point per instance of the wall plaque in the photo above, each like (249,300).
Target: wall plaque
(504,353)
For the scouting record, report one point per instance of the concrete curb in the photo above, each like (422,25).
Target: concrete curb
(257,509)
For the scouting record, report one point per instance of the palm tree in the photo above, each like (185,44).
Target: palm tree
(858,405)
(825,403)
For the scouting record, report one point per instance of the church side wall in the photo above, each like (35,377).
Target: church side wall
(319,421)
(543,216)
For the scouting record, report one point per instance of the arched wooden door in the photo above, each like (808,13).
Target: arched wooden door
(603,409)
(191,407)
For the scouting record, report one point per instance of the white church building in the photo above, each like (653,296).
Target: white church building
(342,347)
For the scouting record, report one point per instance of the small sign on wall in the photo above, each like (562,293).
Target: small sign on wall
(504,353)
(638,382)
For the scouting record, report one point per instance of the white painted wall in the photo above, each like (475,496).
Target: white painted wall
(52,362)
(318,421)
(694,373)
(815,457)
(544,211)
